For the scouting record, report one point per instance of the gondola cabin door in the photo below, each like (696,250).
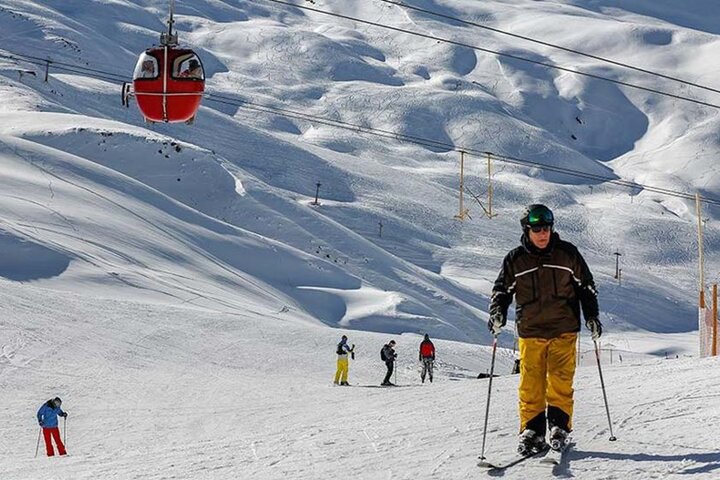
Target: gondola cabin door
(168,84)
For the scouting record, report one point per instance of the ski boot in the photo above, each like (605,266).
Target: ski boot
(531,442)
(558,438)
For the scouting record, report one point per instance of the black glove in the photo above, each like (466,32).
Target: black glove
(595,327)
(41,424)
(64,414)
(496,322)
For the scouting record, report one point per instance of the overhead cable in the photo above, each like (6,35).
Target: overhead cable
(500,54)
(552,45)
(425,142)
(417,140)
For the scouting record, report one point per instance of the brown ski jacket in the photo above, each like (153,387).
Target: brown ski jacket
(550,286)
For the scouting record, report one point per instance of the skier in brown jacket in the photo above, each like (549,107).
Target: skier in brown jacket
(551,282)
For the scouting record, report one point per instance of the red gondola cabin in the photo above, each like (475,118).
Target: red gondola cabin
(168,84)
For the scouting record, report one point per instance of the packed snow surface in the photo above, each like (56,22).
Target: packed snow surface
(181,290)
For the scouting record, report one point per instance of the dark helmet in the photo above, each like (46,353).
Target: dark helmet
(194,64)
(537,215)
(57,401)
(427,337)
(344,337)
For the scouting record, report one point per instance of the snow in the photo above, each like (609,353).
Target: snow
(182,292)
(160,392)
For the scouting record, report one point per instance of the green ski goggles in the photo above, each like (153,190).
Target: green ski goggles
(540,216)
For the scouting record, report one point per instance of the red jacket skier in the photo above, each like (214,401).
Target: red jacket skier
(427,357)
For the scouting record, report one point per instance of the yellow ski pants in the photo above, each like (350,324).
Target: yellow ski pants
(341,375)
(547,370)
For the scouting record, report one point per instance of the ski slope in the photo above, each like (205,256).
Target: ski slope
(155,392)
(178,289)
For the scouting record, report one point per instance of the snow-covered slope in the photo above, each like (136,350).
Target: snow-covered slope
(175,284)
(156,392)
(429,272)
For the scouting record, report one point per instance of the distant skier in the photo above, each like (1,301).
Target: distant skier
(550,281)
(388,355)
(427,357)
(47,418)
(342,350)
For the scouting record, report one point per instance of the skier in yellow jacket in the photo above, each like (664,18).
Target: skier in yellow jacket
(341,374)
(551,283)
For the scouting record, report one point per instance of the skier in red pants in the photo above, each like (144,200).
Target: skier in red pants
(47,418)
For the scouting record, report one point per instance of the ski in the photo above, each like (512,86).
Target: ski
(384,386)
(554,458)
(508,462)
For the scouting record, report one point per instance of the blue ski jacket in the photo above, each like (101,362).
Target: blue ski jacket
(48,415)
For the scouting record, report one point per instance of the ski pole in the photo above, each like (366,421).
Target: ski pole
(602,385)
(487,406)
(65,430)
(37,447)
(396,369)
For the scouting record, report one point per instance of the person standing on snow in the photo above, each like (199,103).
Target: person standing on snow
(48,419)
(427,357)
(342,350)
(550,281)
(388,355)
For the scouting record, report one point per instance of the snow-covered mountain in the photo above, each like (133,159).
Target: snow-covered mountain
(134,250)
(257,172)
